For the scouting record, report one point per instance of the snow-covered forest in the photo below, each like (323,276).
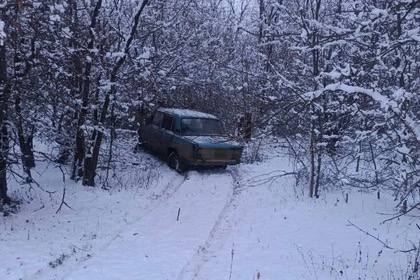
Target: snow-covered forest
(329,184)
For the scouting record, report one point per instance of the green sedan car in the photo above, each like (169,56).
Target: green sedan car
(189,138)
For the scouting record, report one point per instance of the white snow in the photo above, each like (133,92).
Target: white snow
(212,140)
(383,101)
(248,222)
(187,113)
(2,33)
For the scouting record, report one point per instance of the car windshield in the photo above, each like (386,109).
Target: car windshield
(197,127)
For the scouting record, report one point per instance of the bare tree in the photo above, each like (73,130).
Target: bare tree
(4,108)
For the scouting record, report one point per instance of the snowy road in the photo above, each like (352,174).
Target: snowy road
(248,222)
(160,247)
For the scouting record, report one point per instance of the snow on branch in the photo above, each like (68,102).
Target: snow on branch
(384,102)
(2,33)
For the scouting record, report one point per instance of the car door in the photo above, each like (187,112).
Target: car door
(167,133)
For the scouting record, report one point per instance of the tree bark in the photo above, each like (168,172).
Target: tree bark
(25,142)
(318,174)
(312,160)
(261,6)
(22,67)
(79,152)
(4,137)
(314,138)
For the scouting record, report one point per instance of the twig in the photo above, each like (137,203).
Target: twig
(24,181)
(232,254)
(177,216)
(62,172)
(381,241)
(415,206)
(63,202)
(269,178)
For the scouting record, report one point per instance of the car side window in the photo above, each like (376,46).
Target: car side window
(167,122)
(157,119)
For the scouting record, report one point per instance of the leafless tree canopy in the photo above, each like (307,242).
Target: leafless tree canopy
(338,80)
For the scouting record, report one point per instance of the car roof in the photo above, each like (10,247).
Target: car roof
(186,113)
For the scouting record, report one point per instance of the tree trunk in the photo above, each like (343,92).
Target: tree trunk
(261,6)
(4,137)
(21,68)
(314,138)
(312,161)
(4,198)
(91,162)
(248,127)
(318,174)
(79,152)
(110,152)
(25,143)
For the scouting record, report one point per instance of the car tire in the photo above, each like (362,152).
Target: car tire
(140,147)
(145,146)
(175,162)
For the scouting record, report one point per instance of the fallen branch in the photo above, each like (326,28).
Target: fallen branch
(63,202)
(381,241)
(267,178)
(415,206)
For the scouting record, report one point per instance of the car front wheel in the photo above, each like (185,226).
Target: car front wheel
(175,162)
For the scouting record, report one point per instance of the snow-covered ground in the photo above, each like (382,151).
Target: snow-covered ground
(247,222)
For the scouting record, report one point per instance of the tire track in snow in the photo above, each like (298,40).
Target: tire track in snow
(215,238)
(169,191)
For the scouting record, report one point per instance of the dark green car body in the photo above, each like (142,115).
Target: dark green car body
(194,138)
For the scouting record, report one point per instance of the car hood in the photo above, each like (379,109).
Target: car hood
(213,141)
